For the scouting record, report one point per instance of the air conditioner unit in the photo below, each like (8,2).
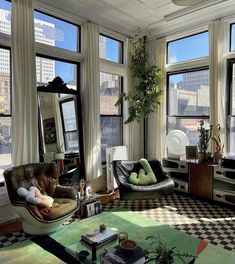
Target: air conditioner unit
(113,153)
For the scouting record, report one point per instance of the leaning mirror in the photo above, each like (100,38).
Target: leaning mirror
(60,126)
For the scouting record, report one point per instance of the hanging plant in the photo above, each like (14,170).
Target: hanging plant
(146,95)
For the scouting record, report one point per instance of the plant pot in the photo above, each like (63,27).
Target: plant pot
(202,157)
(59,156)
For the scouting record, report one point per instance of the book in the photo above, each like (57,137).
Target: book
(119,256)
(98,237)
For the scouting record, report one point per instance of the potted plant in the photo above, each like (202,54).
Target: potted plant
(59,152)
(204,138)
(147,92)
(160,254)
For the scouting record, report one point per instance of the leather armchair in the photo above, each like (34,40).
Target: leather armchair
(44,176)
(128,191)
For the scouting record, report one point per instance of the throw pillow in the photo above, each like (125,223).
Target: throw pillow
(145,175)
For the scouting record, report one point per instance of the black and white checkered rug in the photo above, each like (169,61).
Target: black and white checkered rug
(204,220)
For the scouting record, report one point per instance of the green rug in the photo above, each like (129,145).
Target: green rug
(137,226)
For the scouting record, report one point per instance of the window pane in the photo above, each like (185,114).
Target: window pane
(233,37)
(110,88)
(70,125)
(189,93)
(189,48)
(48,69)
(68,111)
(188,126)
(233,91)
(5,141)
(5,17)
(110,49)
(231,136)
(5,87)
(110,134)
(55,32)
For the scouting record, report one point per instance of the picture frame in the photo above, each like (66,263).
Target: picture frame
(191,152)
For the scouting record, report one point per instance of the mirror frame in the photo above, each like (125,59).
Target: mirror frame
(58,86)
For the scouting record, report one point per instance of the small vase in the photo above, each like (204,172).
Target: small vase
(201,157)
(218,157)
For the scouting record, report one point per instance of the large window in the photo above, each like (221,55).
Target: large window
(111,116)
(59,106)
(231,106)
(5,107)
(56,32)
(188,89)
(111,85)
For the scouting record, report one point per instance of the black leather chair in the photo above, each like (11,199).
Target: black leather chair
(122,170)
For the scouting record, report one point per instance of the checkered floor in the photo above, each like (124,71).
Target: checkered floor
(204,220)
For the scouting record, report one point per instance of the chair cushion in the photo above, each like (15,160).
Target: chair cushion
(63,206)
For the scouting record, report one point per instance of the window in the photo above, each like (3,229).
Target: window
(47,70)
(231,106)
(5,17)
(232,37)
(188,89)
(5,107)
(69,124)
(111,116)
(110,49)
(56,32)
(188,48)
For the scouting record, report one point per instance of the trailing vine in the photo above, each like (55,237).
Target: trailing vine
(146,95)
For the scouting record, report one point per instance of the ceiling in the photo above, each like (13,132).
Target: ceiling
(125,16)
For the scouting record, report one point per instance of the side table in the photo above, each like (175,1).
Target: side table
(201,180)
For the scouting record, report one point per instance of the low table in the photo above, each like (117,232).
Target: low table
(110,239)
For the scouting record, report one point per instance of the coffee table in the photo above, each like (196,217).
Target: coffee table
(94,246)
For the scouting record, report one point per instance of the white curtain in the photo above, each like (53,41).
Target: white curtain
(217,81)
(91,103)
(157,120)
(24,107)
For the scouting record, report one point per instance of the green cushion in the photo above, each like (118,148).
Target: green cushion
(145,175)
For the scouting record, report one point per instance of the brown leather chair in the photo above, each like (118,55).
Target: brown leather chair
(44,176)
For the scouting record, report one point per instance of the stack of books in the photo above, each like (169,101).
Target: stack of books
(98,237)
(119,256)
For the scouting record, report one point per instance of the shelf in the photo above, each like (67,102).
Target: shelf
(223,185)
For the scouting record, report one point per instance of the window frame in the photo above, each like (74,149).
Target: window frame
(196,64)
(122,49)
(8,115)
(66,21)
(120,115)
(184,37)
(229,114)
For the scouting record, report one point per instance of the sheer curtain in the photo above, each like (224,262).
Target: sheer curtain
(24,108)
(157,120)
(91,103)
(217,82)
